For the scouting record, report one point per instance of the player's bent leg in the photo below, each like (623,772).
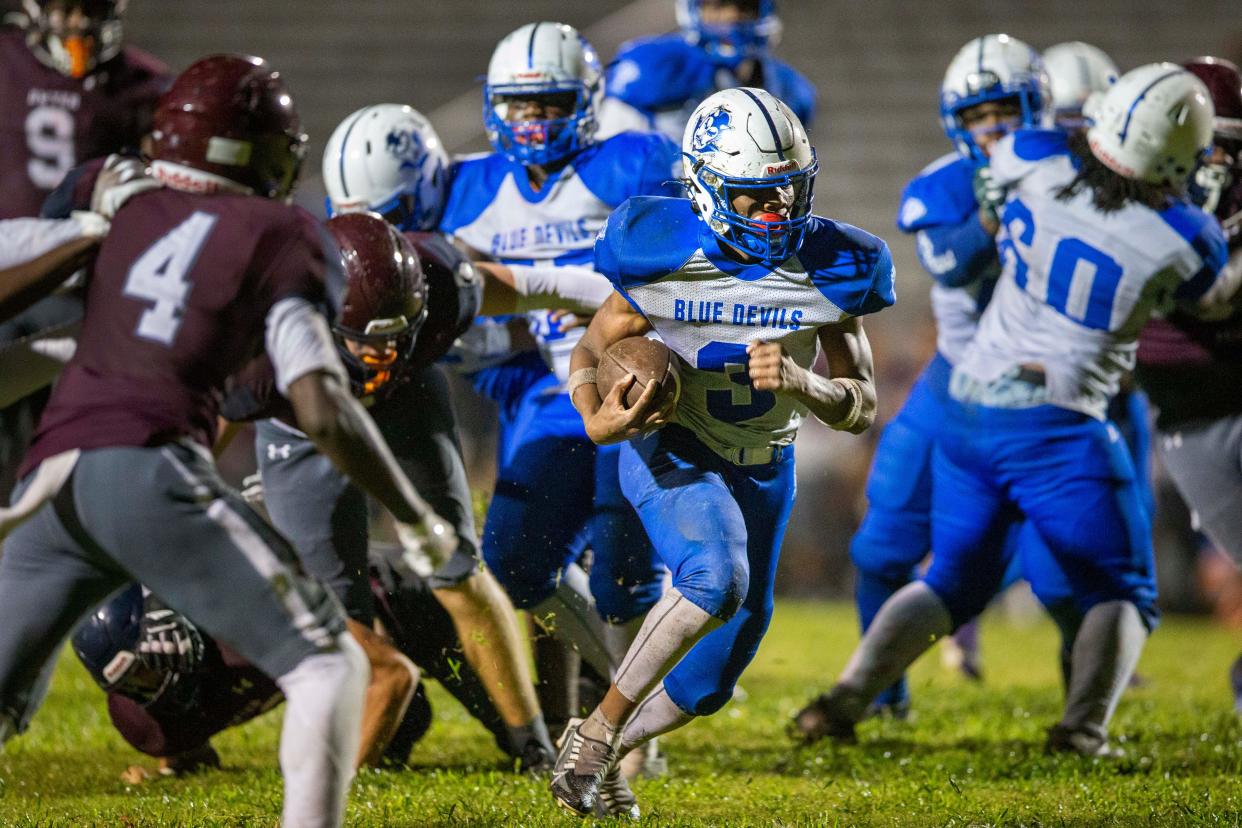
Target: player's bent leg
(235,577)
(493,643)
(627,577)
(1205,462)
(895,533)
(393,679)
(47,582)
(319,512)
(1081,493)
(969,523)
(320,734)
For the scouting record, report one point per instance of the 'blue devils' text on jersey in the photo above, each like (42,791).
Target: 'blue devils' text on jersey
(660,80)
(707,308)
(939,207)
(493,208)
(1078,284)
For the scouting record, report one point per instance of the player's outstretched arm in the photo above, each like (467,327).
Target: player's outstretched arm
(63,246)
(607,419)
(847,401)
(520,288)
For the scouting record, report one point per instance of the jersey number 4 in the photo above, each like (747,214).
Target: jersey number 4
(730,359)
(160,276)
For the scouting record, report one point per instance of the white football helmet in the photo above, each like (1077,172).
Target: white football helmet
(992,68)
(1153,125)
(387,159)
(746,139)
(1075,70)
(548,61)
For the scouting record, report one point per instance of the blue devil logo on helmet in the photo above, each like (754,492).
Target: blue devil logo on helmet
(710,127)
(405,145)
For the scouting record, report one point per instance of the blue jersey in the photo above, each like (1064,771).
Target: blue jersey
(707,307)
(493,209)
(939,207)
(656,82)
(1078,283)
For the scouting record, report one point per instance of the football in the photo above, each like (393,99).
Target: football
(649,360)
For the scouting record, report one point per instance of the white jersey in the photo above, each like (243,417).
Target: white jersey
(707,308)
(1078,284)
(493,209)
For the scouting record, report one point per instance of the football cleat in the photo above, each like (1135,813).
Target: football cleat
(960,652)
(1084,741)
(827,716)
(535,758)
(615,797)
(580,769)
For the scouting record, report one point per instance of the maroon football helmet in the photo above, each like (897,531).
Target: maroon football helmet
(1217,184)
(74,36)
(385,299)
(231,116)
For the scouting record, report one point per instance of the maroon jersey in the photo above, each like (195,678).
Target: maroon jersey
(50,123)
(176,302)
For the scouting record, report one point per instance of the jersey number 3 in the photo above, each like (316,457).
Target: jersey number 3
(730,359)
(160,276)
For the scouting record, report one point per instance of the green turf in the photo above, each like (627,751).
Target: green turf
(971,756)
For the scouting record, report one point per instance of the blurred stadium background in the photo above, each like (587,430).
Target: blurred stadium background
(878,66)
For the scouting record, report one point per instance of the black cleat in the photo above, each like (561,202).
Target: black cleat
(824,718)
(580,769)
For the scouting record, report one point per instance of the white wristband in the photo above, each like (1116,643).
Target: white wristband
(853,389)
(579,378)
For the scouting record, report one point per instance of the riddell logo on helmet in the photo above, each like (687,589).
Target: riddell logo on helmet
(777,169)
(529,75)
(1109,161)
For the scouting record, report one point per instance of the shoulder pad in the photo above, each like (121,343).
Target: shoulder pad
(645,238)
(851,268)
(655,73)
(631,164)
(943,193)
(1201,231)
(474,182)
(1014,156)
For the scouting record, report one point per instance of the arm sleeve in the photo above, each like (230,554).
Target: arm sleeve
(956,254)
(573,287)
(298,342)
(24,239)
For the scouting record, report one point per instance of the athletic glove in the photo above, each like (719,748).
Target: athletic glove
(167,641)
(988,193)
(120,180)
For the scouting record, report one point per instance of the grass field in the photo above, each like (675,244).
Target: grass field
(971,756)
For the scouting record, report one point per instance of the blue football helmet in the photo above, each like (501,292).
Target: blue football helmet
(994,67)
(542,61)
(743,39)
(107,645)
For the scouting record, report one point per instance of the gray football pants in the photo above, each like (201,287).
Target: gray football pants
(163,517)
(326,517)
(1205,461)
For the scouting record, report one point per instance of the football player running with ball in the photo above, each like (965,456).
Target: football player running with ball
(746,287)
